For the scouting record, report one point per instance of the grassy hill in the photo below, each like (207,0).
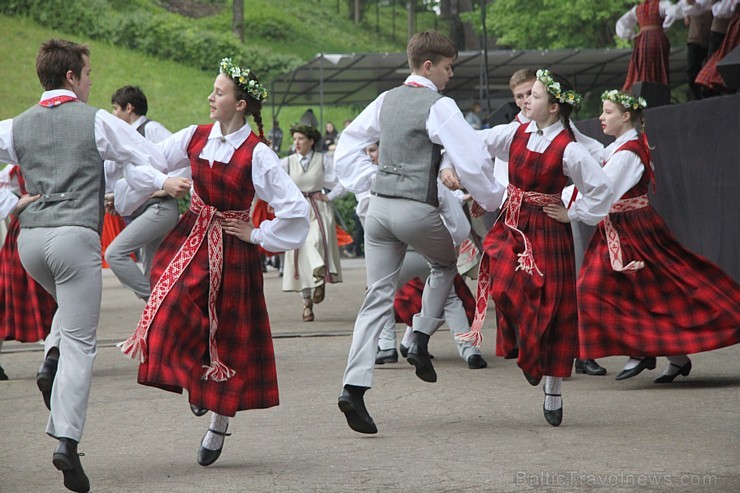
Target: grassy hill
(177,93)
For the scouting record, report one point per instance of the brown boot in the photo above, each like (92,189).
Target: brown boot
(307,311)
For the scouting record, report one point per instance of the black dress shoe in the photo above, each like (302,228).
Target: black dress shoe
(648,363)
(353,407)
(45,379)
(383,356)
(405,351)
(198,411)
(420,358)
(476,362)
(3,376)
(589,367)
(682,370)
(67,460)
(533,381)
(553,417)
(206,456)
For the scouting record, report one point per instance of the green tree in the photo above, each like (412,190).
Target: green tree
(554,24)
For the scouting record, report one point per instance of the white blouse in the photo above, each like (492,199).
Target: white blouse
(578,164)
(273,185)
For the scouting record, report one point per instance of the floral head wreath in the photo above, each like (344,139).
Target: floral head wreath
(627,100)
(240,76)
(568,97)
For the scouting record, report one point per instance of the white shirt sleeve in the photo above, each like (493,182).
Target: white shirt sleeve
(331,182)
(724,9)
(354,168)
(594,186)
(450,208)
(272,184)
(7,151)
(8,201)
(624,169)
(156,132)
(670,13)
(593,146)
(625,28)
(466,151)
(145,167)
(698,8)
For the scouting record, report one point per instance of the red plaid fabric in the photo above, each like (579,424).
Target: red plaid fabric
(678,303)
(536,313)
(709,76)
(177,346)
(649,62)
(407,302)
(26,309)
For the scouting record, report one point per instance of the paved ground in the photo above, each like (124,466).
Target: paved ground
(472,431)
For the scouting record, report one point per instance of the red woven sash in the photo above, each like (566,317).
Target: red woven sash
(208,224)
(612,237)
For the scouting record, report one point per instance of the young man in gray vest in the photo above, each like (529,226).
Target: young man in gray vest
(151,222)
(60,145)
(413,123)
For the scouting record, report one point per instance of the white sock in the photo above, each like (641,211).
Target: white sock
(679,361)
(408,337)
(631,363)
(552,385)
(213,441)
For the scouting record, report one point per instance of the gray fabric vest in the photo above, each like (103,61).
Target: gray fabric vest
(408,162)
(59,159)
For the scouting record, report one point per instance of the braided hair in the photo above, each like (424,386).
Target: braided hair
(564,109)
(254,108)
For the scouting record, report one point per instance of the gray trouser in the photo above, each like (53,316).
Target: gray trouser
(413,266)
(144,233)
(66,261)
(391,225)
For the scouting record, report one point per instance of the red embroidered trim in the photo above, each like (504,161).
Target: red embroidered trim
(56,101)
(208,225)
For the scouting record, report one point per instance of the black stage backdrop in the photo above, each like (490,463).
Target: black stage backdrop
(697,172)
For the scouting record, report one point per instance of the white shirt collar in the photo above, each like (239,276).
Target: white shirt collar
(625,137)
(549,133)
(521,118)
(57,92)
(236,139)
(138,122)
(418,79)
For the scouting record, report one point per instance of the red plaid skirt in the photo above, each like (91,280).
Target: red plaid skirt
(407,302)
(177,345)
(649,62)
(26,309)
(535,314)
(679,303)
(709,76)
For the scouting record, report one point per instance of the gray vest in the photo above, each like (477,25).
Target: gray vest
(59,159)
(409,162)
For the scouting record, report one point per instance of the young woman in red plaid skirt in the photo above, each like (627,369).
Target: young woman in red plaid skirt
(649,62)
(205,327)
(640,292)
(529,268)
(26,309)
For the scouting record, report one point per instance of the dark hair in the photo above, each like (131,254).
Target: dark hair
(429,45)
(309,131)
(254,106)
(132,95)
(565,109)
(55,58)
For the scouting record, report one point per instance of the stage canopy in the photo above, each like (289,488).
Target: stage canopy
(357,78)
